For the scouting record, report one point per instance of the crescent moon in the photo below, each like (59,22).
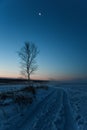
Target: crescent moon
(39,14)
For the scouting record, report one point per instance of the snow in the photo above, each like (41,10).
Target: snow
(60,107)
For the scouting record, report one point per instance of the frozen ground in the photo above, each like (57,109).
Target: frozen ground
(57,107)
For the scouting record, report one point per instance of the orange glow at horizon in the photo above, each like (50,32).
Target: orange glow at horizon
(36,77)
(39,76)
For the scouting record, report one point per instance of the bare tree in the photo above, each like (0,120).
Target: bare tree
(28,54)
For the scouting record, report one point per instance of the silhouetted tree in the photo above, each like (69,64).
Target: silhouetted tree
(28,54)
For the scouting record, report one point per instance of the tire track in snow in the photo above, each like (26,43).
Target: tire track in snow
(70,123)
(46,121)
(65,121)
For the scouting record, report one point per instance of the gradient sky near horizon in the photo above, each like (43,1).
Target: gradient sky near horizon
(57,27)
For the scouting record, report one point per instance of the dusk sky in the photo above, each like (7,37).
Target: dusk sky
(57,27)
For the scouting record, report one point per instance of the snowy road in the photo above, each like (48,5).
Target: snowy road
(53,113)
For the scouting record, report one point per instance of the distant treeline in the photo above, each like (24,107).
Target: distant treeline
(18,80)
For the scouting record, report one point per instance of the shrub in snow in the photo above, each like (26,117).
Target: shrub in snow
(29,89)
(20,99)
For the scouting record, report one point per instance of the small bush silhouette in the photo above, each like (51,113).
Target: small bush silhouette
(23,99)
(30,89)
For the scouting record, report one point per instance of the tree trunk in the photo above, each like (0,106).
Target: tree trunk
(28,77)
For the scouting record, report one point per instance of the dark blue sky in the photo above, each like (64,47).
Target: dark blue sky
(60,34)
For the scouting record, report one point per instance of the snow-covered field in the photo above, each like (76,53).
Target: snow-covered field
(56,107)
